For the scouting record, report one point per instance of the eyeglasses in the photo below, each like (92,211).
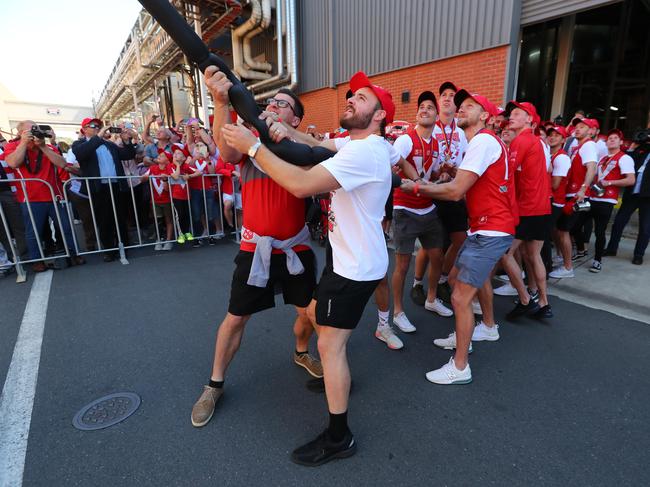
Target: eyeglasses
(279,103)
(93,126)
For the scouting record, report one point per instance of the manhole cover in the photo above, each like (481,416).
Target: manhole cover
(106,411)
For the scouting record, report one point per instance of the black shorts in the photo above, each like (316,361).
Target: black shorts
(536,227)
(340,301)
(297,290)
(564,223)
(453,215)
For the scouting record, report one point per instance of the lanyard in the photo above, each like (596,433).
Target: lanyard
(448,141)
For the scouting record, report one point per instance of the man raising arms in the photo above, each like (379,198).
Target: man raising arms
(485,178)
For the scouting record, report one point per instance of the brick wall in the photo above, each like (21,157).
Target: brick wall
(482,72)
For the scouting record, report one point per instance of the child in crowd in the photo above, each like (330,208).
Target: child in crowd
(182,172)
(158,175)
(231,200)
(205,212)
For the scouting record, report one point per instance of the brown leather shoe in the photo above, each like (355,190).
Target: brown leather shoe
(309,363)
(204,408)
(39,267)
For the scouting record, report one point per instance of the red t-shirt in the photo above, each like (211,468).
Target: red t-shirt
(159,187)
(270,210)
(225,169)
(179,188)
(36,191)
(532,180)
(202,182)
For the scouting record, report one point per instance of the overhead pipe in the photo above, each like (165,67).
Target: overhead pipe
(237,45)
(263,25)
(280,28)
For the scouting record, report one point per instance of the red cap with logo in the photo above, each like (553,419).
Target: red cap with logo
(527,107)
(557,128)
(360,80)
(592,123)
(618,132)
(486,104)
(88,121)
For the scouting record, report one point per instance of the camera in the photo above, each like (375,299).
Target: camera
(597,189)
(642,137)
(581,206)
(41,131)
(115,130)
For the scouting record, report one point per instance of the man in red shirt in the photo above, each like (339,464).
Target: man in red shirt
(532,183)
(274,223)
(30,157)
(485,178)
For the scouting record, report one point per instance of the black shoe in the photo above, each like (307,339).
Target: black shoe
(523,309)
(637,260)
(417,295)
(579,255)
(212,241)
(323,449)
(609,253)
(596,267)
(544,312)
(444,292)
(196,243)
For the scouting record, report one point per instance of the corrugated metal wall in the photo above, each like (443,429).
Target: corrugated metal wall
(377,36)
(533,11)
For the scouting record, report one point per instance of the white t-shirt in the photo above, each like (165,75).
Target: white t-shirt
(483,151)
(395,156)
(588,152)
(459,143)
(601,149)
(362,168)
(547,154)
(561,165)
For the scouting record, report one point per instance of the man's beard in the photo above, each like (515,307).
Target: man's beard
(463,123)
(356,121)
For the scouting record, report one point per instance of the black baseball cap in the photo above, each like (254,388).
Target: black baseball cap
(428,95)
(447,85)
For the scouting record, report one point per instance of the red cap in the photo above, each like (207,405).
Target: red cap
(169,155)
(360,80)
(557,128)
(618,132)
(592,123)
(527,107)
(88,120)
(487,105)
(447,85)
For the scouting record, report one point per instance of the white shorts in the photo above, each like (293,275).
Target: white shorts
(229,197)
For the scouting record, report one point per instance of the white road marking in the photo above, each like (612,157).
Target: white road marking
(17,399)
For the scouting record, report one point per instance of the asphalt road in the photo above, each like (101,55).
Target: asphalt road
(558,403)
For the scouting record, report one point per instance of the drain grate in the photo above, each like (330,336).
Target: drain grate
(106,411)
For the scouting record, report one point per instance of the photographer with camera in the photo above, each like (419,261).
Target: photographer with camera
(635,196)
(614,171)
(30,157)
(98,157)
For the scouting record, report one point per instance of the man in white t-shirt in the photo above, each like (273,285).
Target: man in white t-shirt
(359,179)
(485,179)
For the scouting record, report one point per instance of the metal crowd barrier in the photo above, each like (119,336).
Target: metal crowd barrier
(121,239)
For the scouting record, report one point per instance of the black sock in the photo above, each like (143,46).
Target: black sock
(217,384)
(338,426)
(302,353)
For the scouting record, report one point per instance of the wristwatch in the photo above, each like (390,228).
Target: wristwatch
(253,149)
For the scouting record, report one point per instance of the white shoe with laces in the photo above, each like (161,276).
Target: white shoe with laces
(476,307)
(168,246)
(561,273)
(482,332)
(158,245)
(449,343)
(402,322)
(448,374)
(505,290)
(386,334)
(438,307)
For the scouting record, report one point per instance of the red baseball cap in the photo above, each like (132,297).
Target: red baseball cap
(618,132)
(486,104)
(88,121)
(447,85)
(360,80)
(557,128)
(168,155)
(592,123)
(527,107)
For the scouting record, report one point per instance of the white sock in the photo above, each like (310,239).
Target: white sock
(417,282)
(383,317)
(443,279)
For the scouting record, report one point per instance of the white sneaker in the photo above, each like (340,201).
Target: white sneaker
(558,260)
(482,332)
(402,322)
(449,374)
(503,277)
(449,343)
(438,307)
(386,334)
(158,245)
(561,272)
(167,246)
(476,307)
(505,290)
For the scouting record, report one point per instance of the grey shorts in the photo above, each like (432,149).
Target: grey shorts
(407,226)
(478,256)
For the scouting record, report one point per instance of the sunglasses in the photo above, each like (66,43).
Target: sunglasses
(279,103)
(93,126)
